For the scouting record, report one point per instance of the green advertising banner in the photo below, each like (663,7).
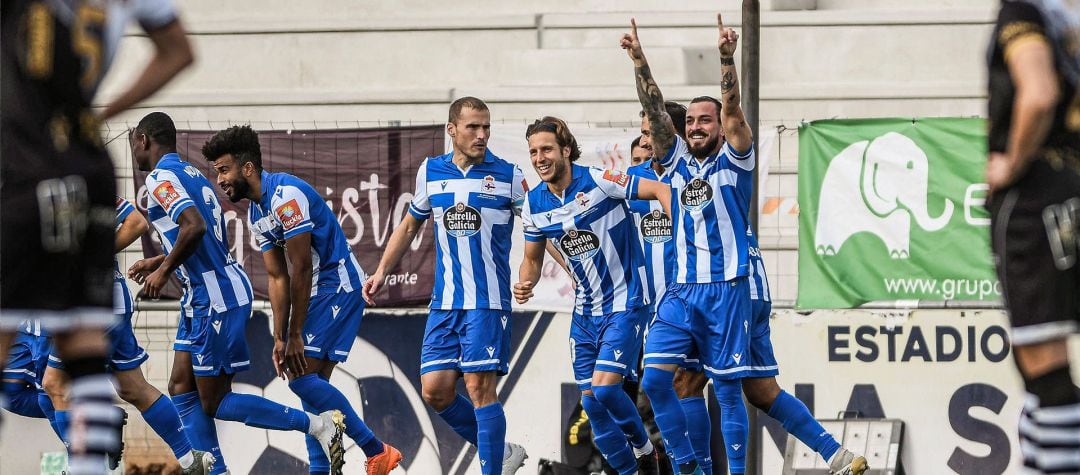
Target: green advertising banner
(893,209)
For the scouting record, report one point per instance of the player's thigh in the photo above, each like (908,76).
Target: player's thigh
(182,375)
(620,345)
(584,348)
(721,321)
(441,349)
(484,337)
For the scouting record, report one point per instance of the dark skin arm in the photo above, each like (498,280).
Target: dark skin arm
(277,271)
(298,252)
(192,228)
(661,129)
(172,53)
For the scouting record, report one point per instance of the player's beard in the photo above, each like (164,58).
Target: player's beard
(240,190)
(706,149)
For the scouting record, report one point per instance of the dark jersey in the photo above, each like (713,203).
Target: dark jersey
(1019,22)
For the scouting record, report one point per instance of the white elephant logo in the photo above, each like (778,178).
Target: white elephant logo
(876,186)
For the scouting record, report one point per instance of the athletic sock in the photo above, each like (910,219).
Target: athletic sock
(92,396)
(461,417)
(163,418)
(699,430)
(45,403)
(668,413)
(323,396)
(796,419)
(734,422)
(624,413)
(607,436)
(491,437)
(1050,427)
(200,428)
(260,412)
(318,464)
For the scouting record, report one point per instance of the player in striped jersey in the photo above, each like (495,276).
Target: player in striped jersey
(584,212)
(125,360)
(472,196)
(712,174)
(26,362)
(314,282)
(216,304)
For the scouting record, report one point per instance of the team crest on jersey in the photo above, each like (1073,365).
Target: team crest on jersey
(616,177)
(579,245)
(655,227)
(582,199)
(290,214)
(461,221)
(166,194)
(488,185)
(696,194)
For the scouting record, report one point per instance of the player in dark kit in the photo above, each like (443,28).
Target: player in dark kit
(58,194)
(1034,176)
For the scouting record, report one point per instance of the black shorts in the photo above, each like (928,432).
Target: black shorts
(57,227)
(1035,236)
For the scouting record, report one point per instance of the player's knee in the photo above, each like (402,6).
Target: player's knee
(54,385)
(210,403)
(438,398)
(481,389)
(689,384)
(655,381)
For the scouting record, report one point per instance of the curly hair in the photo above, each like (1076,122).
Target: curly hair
(561,131)
(240,141)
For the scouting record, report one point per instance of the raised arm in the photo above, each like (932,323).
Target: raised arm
(736,130)
(172,53)
(661,130)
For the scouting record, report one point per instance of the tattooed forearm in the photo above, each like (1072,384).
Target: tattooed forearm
(652,102)
(727,83)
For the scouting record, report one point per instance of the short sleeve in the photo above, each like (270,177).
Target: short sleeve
(257,230)
(290,207)
(518,189)
(615,184)
(678,148)
(746,160)
(532,233)
(165,189)
(154,14)
(420,206)
(123,209)
(1018,22)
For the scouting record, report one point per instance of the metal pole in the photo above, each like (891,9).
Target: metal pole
(751,61)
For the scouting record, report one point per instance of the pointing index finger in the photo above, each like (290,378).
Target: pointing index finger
(720,21)
(633,27)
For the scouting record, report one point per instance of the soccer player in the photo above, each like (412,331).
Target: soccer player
(55,251)
(314,282)
(1034,176)
(472,196)
(584,212)
(22,375)
(638,153)
(210,346)
(124,361)
(708,307)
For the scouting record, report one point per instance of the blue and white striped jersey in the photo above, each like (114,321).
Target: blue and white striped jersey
(473,211)
(592,227)
(709,201)
(759,282)
(211,277)
(654,228)
(288,207)
(122,302)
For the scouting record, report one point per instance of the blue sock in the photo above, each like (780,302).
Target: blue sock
(490,437)
(323,396)
(163,418)
(22,400)
(199,427)
(734,422)
(608,438)
(668,413)
(260,412)
(461,417)
(45,403)
(318,464)
(699,429)
(797,420)
(623,411)
(62,420)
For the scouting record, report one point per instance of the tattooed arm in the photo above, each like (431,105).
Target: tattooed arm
(661,129)
(736,130)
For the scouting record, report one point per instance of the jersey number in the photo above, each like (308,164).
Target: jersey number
(215,209)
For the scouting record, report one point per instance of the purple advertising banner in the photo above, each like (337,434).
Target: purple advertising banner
(367,178)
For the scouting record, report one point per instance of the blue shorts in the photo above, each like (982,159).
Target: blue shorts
(331,325)
(125,353)
(27,358)
(470,341)
(712,318)
(611,343)
(762,360)
(217,342)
